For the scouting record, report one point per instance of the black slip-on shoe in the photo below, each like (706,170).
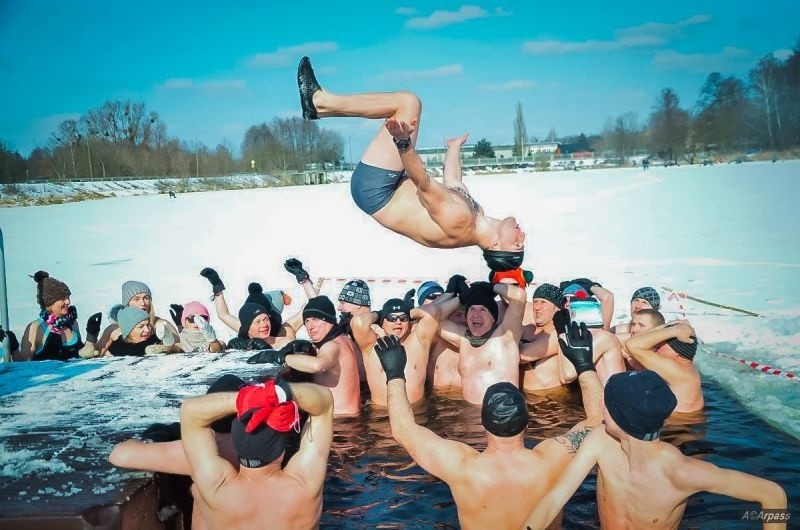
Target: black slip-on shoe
(307,84)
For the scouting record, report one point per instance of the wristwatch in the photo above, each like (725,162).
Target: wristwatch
(402,144)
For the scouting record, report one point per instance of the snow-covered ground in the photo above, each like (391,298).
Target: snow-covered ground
(725,233)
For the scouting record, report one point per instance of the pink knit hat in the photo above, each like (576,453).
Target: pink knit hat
(193,308)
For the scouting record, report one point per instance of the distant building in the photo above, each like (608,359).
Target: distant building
(435,155)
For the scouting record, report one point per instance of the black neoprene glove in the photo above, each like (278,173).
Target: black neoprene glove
(561,321)
(257,344)
(457,285)
(409,297)
(176,312)
(73,312)
(295,266)
(344,320)
(93,327)
(162,432)
(213,278)
(238,343)
(299,347)
(268,357)
(392,356)
(578,347)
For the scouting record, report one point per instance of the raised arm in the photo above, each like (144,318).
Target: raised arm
(427,327)
(327,359)
(361,325)
(310,463)
(641,347)
(295,267)
(606,299)
(439,457)
(209,469)
(514,296)
(571,478)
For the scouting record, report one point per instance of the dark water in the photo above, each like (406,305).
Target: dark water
(372,482)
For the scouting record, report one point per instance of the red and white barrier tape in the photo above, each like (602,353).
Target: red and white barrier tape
(763,368)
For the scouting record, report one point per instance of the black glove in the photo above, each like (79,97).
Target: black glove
(176,312)
(586,283)
(257,344)
(457,285)
(73,312)
(344,320)
(2,334)
(213,278)
(295,266)
(268,357)
(392,356)
(578,347)
(561,321)
(238,343)
(93,327)
(299,347)
(409,297)
(162,432)
(13,343)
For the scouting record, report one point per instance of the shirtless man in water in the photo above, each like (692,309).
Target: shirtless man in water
(391,185)
(488,347)
(548,368)
(669,351)
(396,318)
(496,487)
(231,497)
(643,482)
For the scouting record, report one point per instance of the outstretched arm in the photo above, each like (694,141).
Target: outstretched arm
(697,475)
(515,298)
(606,299)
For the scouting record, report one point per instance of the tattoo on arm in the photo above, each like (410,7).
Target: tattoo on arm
(573,440)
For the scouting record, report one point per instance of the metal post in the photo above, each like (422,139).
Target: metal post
(4,299)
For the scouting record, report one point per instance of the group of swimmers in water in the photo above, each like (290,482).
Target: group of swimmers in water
(246,443)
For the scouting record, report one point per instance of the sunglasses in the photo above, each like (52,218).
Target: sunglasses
(191,318)
(433,296)
(401,317)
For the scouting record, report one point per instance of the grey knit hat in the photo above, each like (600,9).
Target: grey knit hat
(131,288)
(128,318)
(648,294)
(355,292)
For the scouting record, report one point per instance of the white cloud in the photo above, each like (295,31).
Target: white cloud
(782,54)
(438,19)
(405,11)
(290,54)
(728,58)
(208,85)
(500,12)
(645,35)
(450,70)
(222,85)
(178,83)
(517,84)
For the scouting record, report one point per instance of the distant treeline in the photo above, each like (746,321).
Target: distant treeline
(123,138)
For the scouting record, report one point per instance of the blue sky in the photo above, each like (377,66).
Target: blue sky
(212,69)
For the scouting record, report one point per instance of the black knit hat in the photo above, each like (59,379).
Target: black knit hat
(226,383)
(481,293)
(256,296)
(322,308)
(639,402)
(247,314)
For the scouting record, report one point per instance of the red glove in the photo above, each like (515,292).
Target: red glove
(271,409)
(516,274)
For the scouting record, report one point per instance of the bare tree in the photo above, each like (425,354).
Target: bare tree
(669,126)
(520,132)
(764,82)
